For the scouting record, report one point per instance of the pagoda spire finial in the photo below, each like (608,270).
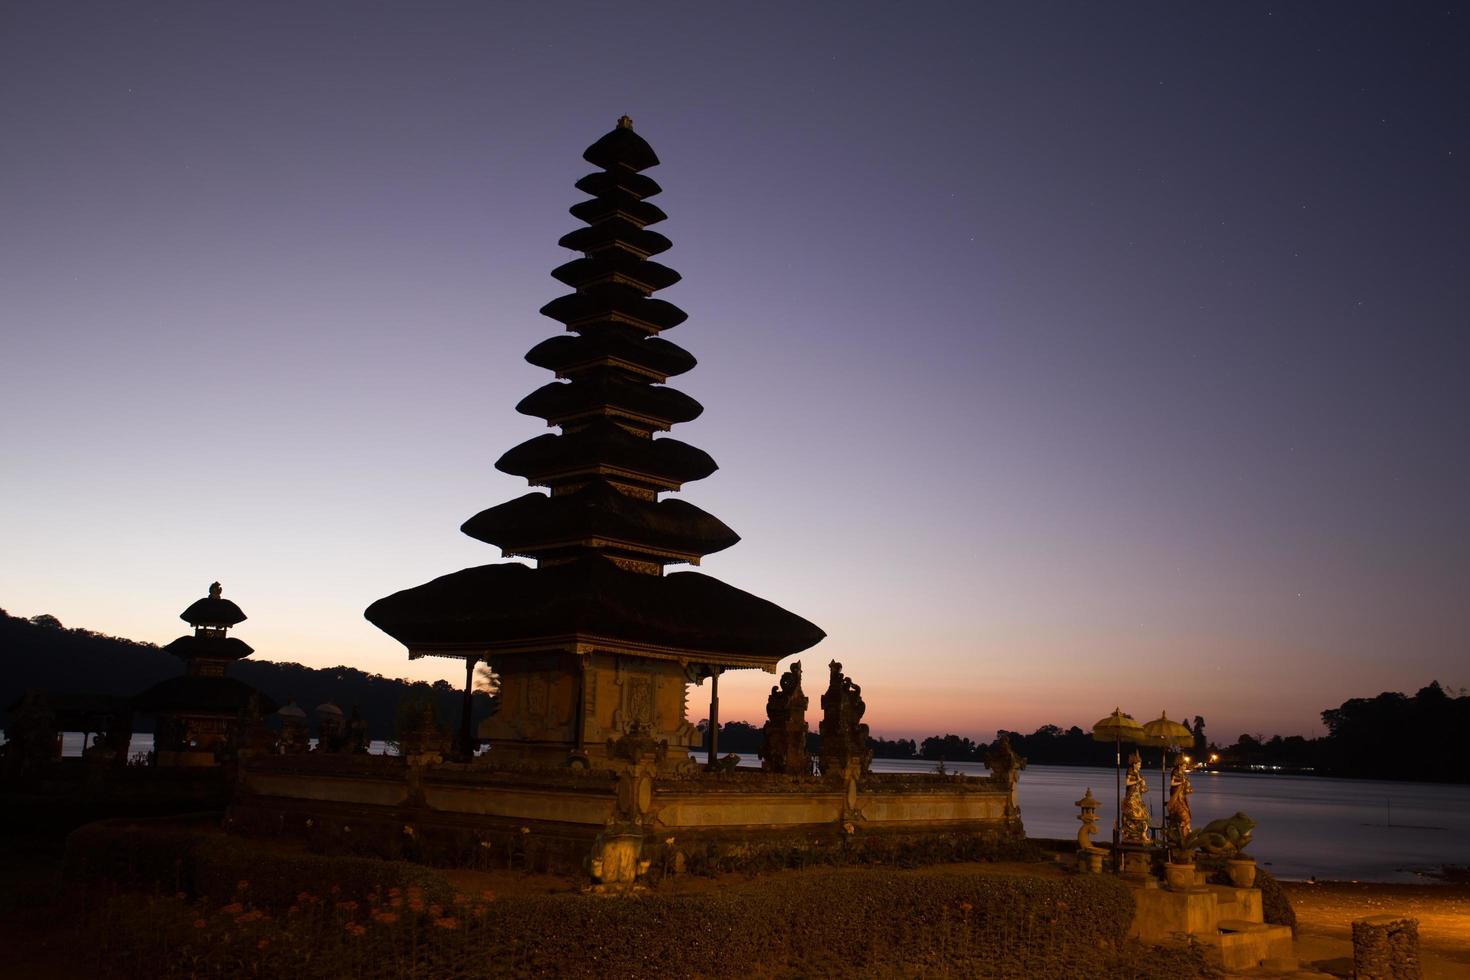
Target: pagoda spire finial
(625,122)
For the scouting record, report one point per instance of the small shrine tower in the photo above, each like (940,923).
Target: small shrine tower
(199,714)
(596,641)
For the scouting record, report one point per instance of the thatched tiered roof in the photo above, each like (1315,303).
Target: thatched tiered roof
(602,535)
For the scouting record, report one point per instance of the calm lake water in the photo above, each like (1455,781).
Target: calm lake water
(1306,826)
(1347,829)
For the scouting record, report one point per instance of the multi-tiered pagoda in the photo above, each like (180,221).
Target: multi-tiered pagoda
(200,714)
(596,640)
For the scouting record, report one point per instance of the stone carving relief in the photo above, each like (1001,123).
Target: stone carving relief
(844,736)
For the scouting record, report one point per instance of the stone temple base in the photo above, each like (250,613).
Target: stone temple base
(1228,922)
(616,825)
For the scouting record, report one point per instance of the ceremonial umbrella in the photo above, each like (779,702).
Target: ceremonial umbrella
(1166,733)
(1118,728)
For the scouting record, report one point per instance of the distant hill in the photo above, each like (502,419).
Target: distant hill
(41,653)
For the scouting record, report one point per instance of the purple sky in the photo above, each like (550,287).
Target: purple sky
(1055,356)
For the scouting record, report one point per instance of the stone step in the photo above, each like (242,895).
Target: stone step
(1244,945)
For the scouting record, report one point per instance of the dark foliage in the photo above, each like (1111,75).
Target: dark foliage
(47,656)
(1366,738)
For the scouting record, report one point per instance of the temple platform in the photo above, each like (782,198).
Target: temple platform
(1228,921)
(559,820)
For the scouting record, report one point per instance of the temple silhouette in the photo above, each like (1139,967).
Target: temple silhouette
(597,638)
(588,767)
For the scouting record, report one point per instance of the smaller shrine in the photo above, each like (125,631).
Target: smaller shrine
(201,715)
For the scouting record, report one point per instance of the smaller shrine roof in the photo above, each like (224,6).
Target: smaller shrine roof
(213,610)
(216,647)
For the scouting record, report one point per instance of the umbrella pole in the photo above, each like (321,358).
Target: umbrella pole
(1163,792)
(1118,796)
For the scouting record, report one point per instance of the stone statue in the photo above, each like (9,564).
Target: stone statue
(1089,858)
(844,736)
(1005,766)
(1226,837)
(1136,816)
(1177,811)
(783,746)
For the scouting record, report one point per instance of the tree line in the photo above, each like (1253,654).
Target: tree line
(1391,736)
(40,653)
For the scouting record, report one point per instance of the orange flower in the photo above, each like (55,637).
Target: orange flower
(234,908)
(348,907)
(394,892)
(241,885)
(435,911)
(293,910)
(965,906)
(262,944)
(180,896)
(416,904)
(386,918)
(303,897)
(448,922)
(487,895)
(460,899)
(200,923)
(396,903)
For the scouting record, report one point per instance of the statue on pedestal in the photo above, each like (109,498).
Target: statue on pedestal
(844,736)
(1136,817)
(783,748)
(1178,807)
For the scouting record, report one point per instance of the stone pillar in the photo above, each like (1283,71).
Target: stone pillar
(1386,947)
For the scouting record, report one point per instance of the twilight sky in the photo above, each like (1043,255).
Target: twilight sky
(1056,356)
